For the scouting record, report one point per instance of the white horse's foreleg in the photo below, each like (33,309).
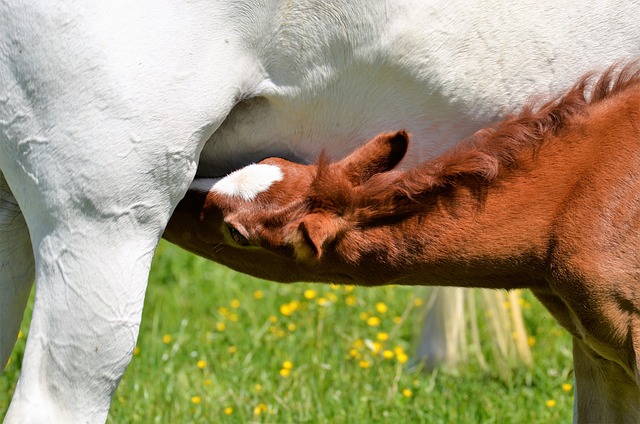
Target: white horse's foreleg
(16,270)
(443,340)
(443,325)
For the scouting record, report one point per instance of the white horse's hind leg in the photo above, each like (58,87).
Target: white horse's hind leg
(16,269)
(90,283)
(93,241)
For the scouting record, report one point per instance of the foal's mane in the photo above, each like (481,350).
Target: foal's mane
(477,160)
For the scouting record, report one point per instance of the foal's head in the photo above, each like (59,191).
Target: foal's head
(272,219)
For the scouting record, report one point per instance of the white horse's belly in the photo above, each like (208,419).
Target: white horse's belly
(438,71)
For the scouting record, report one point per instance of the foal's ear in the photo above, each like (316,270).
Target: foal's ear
(381,154)
(312,235)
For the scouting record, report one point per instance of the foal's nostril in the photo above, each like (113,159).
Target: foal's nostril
(237,236)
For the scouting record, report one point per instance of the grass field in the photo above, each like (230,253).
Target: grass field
(217,346)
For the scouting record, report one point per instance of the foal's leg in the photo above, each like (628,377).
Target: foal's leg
(605,392)
(16,269)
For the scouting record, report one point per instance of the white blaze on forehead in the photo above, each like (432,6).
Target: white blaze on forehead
(246,182)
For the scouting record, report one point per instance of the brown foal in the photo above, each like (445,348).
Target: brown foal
(547,200)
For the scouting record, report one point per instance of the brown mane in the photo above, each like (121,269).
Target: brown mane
(475,161)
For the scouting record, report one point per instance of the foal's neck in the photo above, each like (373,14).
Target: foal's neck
(500,235)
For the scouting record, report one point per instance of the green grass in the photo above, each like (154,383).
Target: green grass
(213,343)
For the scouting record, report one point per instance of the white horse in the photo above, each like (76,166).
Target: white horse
(109,109)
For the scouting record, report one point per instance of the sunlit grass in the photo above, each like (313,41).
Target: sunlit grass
(217,346)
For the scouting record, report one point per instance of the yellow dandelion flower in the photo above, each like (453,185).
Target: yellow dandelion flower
(335,286)
(398,350)
(287,365)
(407,393)
(507,305)
(358,343)
(208,382)
(387,354)
(233,349)
(166,339)
(531,340)
(349,289)
(375,347)
(350,300)
(273,319)
(364,364)
(332,297)
(280,333)
(258,294)
(196,400)
(309,294)
(202,364)
(220,326)
(258,388)
(228,410)
(364,316)
(260,409)
(382,336)
(402,358)
(567,387)
(291,327)
(223,311)
(322,301)
(286,310)
(373,321)
(284,372)
(550,403)
(233,317)
(235,303)
(354,353)
(381,307)
(397,320)
(136,351)
(417,302)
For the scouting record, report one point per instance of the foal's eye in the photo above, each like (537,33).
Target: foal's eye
(237,236)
